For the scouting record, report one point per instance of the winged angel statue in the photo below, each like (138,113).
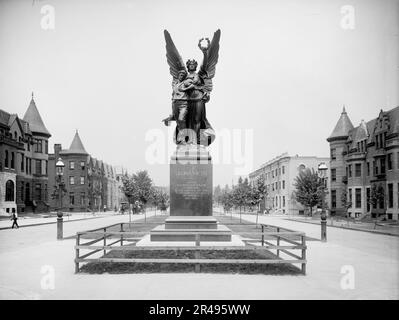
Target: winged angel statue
(191,91)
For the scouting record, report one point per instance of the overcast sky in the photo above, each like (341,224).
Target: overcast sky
(285,70)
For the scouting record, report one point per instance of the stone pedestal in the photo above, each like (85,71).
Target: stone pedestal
(191,191)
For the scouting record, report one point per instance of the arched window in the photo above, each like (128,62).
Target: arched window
(12,160)
(10,190)
(6,159)
(15,135)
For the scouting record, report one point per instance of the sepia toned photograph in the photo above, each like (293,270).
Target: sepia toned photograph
(199,155)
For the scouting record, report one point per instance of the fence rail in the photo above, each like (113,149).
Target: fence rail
(277,234)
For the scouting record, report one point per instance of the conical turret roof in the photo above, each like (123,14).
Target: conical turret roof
(343,126)
(76,146)
(32,116)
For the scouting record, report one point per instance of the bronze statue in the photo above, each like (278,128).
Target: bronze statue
(191,91)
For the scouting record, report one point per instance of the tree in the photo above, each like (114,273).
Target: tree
(138,187)
(143,184)
(309,189)
(163,201)
(377,196)
(97,193)
(345,202)
(217,193)
(258,193)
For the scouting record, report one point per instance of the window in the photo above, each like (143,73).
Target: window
(71,180)
(22,163)
(350,171)
(350,195)
(10,190)
(71,165)
(382,201)
(82,165)
(375,167)
(6,159)
(283,184)
(38,167)
(368,168)
(46,146)
(71,198)
(333,198)
(390,195)
(358,170)
(283,201)
(38,146)
(46,166)
(283,169)
(382,162)
(38,191)
(333,154)
(12,160)
(82,199)
(334,174)
(389,160)
(358,198)
(368,199)
(82,180)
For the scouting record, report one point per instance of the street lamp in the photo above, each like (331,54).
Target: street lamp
(59,168)
(322,171)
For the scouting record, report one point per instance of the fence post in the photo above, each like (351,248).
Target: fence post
(278,242)
(77,253)
(105,241)
(197,267)
(263,235)
(122,234)
(303,254)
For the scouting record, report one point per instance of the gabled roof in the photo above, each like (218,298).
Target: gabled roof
(362,132)
(36,123)
(76,146)
(4,118)
(25,126)
(342,128)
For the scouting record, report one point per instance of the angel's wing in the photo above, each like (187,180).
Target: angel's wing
(173,57)
(208,67)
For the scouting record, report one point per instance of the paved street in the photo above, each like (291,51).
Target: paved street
(374,258)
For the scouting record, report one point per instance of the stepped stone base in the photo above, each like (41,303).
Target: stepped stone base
(186,229)
(193,222)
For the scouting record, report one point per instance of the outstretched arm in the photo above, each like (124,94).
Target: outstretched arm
(205,53)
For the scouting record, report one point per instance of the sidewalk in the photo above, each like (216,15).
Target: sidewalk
(40,220)
(373,257)
(392,230)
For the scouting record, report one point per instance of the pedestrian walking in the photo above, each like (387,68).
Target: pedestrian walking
(14,219)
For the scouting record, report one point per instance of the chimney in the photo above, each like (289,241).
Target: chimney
(57,149)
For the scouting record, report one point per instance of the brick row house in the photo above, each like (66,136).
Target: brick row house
(91,184)
(364,165)
(23,162)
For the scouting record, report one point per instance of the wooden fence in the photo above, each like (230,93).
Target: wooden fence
(283,238)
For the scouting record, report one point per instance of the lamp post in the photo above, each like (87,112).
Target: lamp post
(322,171)
(59,166)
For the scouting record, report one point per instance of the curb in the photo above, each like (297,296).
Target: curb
(346,228)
